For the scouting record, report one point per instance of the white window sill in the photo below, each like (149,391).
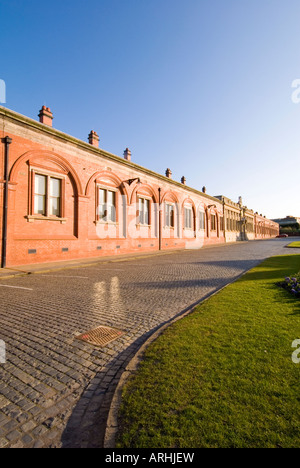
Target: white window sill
(32,218)
(106,223)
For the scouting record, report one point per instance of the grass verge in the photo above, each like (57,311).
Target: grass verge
(223,376)
(294,245)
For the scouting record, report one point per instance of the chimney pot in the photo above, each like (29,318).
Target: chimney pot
(94,139)
(204,189)
(169,173)
(127,154)
(46,116)
(183,180)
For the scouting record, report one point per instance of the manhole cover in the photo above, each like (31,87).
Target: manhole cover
(100,336)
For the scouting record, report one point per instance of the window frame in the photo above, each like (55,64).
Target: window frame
(169,217)
(143,199)
(107,189)
(213,222)
(48,174)
(202,220)
(190,218)
(221,222)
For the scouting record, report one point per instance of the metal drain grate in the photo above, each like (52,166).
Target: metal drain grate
(100,336)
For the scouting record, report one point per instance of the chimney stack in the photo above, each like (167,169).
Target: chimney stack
(46,116)
(169,173)
(127,154)
(94,139)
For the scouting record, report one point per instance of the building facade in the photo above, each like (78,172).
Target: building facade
(242,224)
(62,198)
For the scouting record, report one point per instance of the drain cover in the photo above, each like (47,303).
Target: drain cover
(100,336)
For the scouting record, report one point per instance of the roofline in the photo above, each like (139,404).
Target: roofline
(97,151)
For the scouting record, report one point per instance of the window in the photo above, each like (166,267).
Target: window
(107,205)
(144,211)
(54,197)
(40,194)
(228,223)
(169,212)
(213,222)
(188,218)
(221,223)
(202,220)
(47,195)
(236,222)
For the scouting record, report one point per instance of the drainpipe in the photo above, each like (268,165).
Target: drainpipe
(7,142)
(159,218)
(224,221)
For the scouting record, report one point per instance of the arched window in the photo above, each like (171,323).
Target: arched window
(144,212)
(189,217)
(169,215)
(202,222)
(213,222)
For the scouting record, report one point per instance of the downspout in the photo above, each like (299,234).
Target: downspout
(159,219)
(224,221)
(7,142)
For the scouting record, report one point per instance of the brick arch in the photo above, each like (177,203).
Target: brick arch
(202,206)
(169,196)
(107,175)
(145,187)
(190,201)
(47,156)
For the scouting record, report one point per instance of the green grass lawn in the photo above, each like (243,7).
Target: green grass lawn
(222,376)
(294,245)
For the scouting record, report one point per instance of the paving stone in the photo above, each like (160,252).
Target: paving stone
(13,436)
(39,444)
(27,439)
(4,443)
(3,401)
(29,426)
(17,445)
(10,426)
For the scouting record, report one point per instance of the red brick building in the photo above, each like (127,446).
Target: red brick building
(62,198)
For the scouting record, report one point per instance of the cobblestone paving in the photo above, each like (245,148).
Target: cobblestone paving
(55,390)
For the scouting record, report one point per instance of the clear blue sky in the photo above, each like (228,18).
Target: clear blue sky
(201,86)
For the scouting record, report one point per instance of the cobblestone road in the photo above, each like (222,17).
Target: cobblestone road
(55,391)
